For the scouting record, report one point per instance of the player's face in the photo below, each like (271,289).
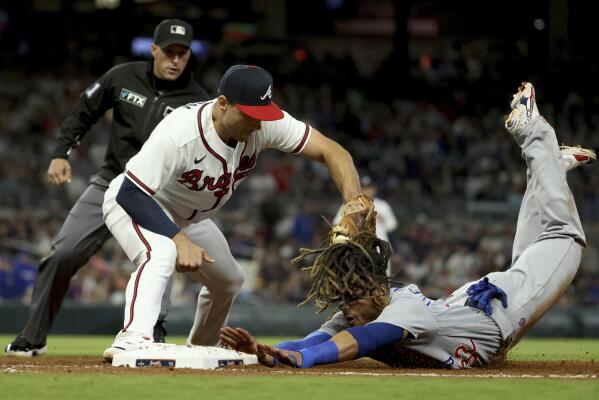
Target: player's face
(239,125)
(170,62)
(360,308)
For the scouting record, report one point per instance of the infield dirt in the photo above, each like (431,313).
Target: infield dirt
(524,369)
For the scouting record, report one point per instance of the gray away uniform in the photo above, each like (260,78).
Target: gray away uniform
(546,254)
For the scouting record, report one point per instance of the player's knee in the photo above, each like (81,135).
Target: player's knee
(234,282)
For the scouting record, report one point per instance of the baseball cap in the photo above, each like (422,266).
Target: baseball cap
(173,31)
(250,88)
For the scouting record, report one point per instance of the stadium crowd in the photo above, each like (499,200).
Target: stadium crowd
(437,150)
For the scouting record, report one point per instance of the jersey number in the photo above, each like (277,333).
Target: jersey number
(467,356)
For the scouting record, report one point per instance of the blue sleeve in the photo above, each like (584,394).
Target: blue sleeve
(369,338)
(375,335)
(311,340)
(144,210)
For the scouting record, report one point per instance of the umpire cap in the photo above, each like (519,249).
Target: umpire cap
(173,31)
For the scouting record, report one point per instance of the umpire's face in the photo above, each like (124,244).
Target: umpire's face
(170,62)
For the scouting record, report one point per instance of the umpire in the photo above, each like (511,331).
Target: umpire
(140,94)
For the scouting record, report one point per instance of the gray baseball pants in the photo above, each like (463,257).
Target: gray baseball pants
(548,243)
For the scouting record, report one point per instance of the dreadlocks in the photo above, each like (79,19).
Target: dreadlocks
(345,269)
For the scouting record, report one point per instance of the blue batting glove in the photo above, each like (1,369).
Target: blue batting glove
(481,294)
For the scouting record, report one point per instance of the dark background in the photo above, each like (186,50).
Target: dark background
(415,90)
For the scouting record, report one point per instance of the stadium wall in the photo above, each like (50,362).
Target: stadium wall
(262,319)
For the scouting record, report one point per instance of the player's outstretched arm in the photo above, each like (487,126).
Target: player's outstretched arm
(341,347)
(358,211)
(310,340)
(347,345)
(338,161)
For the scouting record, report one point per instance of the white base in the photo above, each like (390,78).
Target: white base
(176,356)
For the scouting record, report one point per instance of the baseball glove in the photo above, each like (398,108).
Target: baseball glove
(357,215)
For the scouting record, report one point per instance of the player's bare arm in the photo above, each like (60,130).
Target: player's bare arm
(338,160)
(59,171)
(358,209)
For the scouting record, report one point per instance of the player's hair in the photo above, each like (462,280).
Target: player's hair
(355,268)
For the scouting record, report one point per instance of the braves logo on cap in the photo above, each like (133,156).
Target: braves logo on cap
(243,86)
(267,94)
(178,29)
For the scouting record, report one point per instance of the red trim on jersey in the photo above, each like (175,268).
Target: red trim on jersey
(301,144)
(141,269)
(140,183)
(214,206)
(240,157)
(193,214)
(212,151)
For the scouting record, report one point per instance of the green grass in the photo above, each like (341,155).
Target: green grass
(94,386)
(556,350)
(99,385)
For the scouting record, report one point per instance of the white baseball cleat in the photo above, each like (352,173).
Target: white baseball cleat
(524,109)
(575,156)
(125,341)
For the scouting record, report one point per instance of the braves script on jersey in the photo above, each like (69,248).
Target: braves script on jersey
(456,335)
(191,172)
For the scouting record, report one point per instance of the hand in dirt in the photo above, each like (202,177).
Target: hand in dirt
(241,340)
(287,357)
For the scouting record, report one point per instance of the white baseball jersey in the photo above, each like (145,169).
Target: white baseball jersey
(191,172)
(455,336)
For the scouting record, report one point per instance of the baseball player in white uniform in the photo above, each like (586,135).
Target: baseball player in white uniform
(480,321)
(159,209)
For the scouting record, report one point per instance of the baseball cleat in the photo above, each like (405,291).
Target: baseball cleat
(160,332)
(575,156)
(524,109)
(20,347)
(125,341)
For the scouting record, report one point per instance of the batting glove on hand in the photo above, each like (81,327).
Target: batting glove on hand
(481,294)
